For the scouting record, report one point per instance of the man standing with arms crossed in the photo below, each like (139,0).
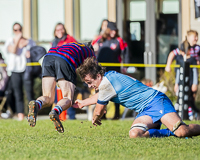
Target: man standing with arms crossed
(59,65)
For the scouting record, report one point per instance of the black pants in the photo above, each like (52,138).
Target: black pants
(192,102)
(28,85)
(10,99)
(18,82)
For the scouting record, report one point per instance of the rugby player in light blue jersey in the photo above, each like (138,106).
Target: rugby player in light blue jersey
(154,108)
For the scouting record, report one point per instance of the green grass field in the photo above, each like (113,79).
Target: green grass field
(82,141)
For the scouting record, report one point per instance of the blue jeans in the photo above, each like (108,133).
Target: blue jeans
(71,113)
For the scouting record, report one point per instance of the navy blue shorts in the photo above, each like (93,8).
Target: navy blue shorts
(54,66)
(158,107)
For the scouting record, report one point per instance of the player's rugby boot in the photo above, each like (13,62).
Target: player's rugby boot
(55,118)
(32,114)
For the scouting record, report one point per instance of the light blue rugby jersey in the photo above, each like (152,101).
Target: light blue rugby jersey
(125,90)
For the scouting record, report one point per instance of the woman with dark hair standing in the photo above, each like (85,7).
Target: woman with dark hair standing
(18,50)
(102,30)
(111,48)
(103,27)
(61,36)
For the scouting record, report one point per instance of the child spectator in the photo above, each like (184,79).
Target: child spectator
(194,49)
(191,57)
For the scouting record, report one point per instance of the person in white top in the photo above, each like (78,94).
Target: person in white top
(17,50)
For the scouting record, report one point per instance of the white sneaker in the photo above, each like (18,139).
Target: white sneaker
(6,115)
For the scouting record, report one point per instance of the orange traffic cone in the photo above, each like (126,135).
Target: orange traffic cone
(63,115)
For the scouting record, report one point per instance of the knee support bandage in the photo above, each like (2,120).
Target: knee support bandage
(139,126)
(177,125)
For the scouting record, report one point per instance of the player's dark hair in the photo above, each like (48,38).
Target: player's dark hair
(91,67)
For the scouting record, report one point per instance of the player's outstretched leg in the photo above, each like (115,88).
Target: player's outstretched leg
(32,113)
(54,116)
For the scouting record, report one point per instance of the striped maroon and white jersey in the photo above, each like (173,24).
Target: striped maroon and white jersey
(74,53)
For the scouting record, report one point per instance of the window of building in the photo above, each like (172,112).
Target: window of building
(50,12)
(138,10)
(91,15)
(11,11)
(170,7)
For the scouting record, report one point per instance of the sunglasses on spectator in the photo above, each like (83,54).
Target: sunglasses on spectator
(17,30)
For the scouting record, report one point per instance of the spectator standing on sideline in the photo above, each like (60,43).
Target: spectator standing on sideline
(32,72)
(3,76)
(59,65)
(102,29)
(192,55)
(154,107)
(194,50)
(193,77)
(18,49)
(3,85)
(10,101)
(61,38)
(112,48)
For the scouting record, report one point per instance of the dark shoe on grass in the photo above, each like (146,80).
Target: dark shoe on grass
(32,113)
(55,118)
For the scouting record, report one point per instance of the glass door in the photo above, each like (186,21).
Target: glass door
(167,29)
(152,32)
(135,28)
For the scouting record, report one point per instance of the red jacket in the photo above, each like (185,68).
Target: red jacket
(68,39)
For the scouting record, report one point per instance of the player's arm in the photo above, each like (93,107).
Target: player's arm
(106,93)
(195,78)
(169,61)
(98,113)
(86,102)
(177,80)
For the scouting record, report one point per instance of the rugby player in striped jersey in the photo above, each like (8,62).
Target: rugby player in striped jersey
(59,65)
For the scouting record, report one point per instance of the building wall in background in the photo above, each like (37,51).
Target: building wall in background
(48,17)
(11,11)
(90,17)
(39,18)
(194,22)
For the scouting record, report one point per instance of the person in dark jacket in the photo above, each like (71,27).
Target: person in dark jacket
(32,72)
(111,48)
